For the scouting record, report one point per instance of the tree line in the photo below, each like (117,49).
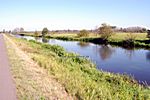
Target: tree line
(104,30)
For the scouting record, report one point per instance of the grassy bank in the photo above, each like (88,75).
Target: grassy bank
(80,77)
(117,39)
(32,82)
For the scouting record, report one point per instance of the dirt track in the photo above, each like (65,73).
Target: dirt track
(7,87)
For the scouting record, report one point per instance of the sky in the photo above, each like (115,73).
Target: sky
(73,14)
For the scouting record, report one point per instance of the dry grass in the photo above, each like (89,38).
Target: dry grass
(32,81)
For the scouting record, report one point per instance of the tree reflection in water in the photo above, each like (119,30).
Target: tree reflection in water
(37,38)
(52,41)
(129,52)
(83,44)
(148,56)
(106,52)
(44,40)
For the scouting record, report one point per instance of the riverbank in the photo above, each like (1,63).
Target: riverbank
(118,39)
(32,81)
(79,76)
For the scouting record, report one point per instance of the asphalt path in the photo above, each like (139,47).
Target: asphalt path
(7,86)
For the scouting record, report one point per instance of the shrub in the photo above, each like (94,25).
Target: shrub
(83,33)
(105,31)
(131,37)
(36,33)
(44,31)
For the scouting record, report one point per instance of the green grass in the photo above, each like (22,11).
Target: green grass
(80,77)
(26,87)
(32,82)
(117,39)
(116,36)
(122,36)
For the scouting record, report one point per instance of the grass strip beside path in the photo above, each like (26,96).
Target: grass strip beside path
(32,82)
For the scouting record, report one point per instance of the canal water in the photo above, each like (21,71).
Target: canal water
(134,62)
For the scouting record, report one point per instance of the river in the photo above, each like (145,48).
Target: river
(134,62)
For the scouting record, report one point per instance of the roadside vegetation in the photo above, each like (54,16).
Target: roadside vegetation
(79,76)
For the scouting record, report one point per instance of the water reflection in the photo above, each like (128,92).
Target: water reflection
(37,38)
(52,41)
(45,40)
(83,44)
(148,56)
(129,53)
(106,52)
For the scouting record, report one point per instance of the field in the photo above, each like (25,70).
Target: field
(79,76)
(117,39)
(116,36)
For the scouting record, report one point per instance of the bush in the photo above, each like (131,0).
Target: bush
(105,31)
(44,31)
(36,33)
(131,37)
(83,33)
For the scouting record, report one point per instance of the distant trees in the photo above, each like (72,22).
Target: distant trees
(21,29)
(136,29)
(83,33)
(105,31)
(18,30)
(44,31)
(4,31)
(9,31)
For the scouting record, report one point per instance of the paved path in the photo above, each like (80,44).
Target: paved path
(7,87)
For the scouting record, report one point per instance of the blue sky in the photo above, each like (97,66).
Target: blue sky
(73,14)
